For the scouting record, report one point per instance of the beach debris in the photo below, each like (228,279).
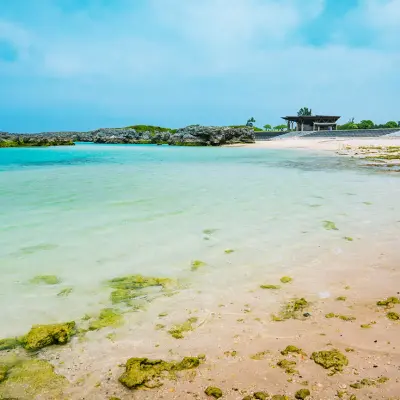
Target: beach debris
(271,287)
(196,264)
(178,331)
(333,360)
(65,292)
(292,350)
(302,394)
(46,335)
(27,379)
(369,382)
(261,355)
(45,279)
(389,302)
(229,251)
(341,298)
(143,372)
(261,395)
(9,343)
(107,317)
(213,391)
(394,316)
(286,279)
(342,317)
(330,226)
(287,365)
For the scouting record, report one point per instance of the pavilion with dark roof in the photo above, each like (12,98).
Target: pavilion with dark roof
(312,122)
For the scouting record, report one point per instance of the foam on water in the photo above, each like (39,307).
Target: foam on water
(93,212)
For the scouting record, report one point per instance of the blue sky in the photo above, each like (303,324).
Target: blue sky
(84,64)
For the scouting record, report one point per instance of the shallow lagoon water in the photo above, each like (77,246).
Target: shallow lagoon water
(92,212)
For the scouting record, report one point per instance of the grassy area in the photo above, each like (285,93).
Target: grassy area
(150,128)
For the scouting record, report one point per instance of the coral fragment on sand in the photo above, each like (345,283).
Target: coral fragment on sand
(46,335)
(292,350)
(333,360)
(389,302)
(369,382)
(46,279)
(394,316)
(213,391)
(287,365)
(261,395)
(142,372)
(341,298)
(286,279)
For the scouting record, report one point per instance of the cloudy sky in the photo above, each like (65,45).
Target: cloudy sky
(83,64)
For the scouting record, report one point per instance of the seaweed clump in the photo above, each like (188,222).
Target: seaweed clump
(302,394)
(279,397)
(45,279)
(260,355)
(25,380)
(342,317)
(142,372)
(389,302)
(178,331)
(369,382)
(330,226)
(394,316)
(107,317)
(65,292)
(46,335)
(286,279)
(196,264)
(292,349)
(333,360)
(271,287)
(261,395)
(213,391)
(287,365)
(292,310)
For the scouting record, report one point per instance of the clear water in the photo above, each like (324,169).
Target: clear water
(92,212)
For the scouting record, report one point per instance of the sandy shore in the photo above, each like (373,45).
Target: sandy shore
(322,144)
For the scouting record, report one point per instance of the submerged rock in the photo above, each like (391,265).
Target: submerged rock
(46,335)
(31,378)
(302,394)
(142,372)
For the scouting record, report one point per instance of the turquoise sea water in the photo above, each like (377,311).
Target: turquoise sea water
(92,212)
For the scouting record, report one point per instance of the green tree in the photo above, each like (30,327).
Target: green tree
(391,124)
(250,122)
(267,127)
(280,127)
(304,111)
(366,124)
(348,126)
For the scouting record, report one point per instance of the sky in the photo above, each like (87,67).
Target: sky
(85,64)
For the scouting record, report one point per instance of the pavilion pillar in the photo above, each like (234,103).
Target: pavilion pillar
(288,125)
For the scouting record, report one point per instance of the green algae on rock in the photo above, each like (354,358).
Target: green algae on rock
(178,331)
(131,282)
(348,238)
(65,292)
(341,298)
(271,287)
(45,279)
(394,316)
(292,349)
(196,264)
(31,378)
(123,296)
(342,317)
(213,391)
(46,335)
(333,360)
(279,397)
(107,317)
(9,343)
(389,302)
(330,226)
(302,394)
(142,372)
(286,279)
(369,382)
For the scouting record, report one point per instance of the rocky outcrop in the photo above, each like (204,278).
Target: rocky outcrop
(194,135)
(197,135)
